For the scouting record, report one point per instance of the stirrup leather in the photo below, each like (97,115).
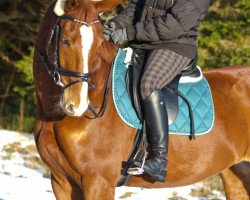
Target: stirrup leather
(134,170)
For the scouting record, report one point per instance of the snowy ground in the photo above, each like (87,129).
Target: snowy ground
(23,177)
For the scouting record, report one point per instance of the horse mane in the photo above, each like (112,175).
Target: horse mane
(107,51)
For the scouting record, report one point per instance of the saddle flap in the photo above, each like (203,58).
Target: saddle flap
(171,100)
(133,78)
(132,82)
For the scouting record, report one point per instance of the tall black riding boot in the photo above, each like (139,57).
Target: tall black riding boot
(155,114)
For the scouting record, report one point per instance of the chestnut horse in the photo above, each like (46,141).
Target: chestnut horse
(85,155)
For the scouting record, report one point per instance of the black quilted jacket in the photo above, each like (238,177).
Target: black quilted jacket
(170,24)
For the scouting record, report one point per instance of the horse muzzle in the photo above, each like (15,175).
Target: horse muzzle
(72,110)
(74,100)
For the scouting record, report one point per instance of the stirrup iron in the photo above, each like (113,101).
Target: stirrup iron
(136,171)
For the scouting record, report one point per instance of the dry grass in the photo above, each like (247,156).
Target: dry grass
(28,153)
(209,187)
(176,197)
(127,195)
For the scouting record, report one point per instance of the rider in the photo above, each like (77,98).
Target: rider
(166,32)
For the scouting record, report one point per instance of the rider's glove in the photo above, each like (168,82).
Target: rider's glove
(119,36)
(108,29)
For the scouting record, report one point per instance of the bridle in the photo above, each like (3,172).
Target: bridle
(58,71)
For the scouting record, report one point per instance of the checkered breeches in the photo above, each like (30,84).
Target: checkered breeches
(161,67)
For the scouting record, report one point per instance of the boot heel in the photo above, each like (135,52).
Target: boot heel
(161,176)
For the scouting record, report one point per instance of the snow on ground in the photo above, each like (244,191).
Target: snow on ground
(18,182)
(23,176)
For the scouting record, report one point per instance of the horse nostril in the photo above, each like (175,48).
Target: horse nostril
(70,109)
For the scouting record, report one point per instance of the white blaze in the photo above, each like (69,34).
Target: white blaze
(87,40)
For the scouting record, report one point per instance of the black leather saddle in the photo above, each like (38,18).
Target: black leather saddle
(170,91)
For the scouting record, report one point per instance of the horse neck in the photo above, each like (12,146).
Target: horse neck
(47,24)
(102,63)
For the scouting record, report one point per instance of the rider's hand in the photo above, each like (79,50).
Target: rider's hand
(106,35)
(108,29)
(119,36)
(110,26)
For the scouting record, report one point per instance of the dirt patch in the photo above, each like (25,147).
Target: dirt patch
(212,188)
(127,195)
(176,197)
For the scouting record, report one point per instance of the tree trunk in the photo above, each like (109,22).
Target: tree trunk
(5,95)
(21,115)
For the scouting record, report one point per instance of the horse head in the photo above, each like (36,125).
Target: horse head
(76,37)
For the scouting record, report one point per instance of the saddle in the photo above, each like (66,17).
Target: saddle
(189,73)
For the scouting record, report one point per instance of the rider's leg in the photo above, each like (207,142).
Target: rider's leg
(161,67)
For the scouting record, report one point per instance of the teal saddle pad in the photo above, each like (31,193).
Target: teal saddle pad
(197,93)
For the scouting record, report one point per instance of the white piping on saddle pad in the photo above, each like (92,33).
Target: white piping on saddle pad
(59,7)
(128,57)
(188,79)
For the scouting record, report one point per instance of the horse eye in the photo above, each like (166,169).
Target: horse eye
(66,42)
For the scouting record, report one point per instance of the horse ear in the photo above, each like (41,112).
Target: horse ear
(63,6)
(59,7)
(105,5)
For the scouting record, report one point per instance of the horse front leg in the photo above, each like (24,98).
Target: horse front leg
(63,177)
(65,189)
(97,187)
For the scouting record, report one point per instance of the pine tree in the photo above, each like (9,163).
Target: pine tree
(19,23)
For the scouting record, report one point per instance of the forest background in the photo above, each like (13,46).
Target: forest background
(224,40)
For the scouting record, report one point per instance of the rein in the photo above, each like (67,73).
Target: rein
(58,71)
(105,99)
